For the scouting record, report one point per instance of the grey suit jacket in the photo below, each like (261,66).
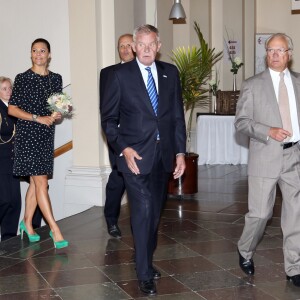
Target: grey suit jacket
(257,111)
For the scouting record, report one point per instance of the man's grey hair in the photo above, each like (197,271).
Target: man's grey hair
(280,35)
(146,28)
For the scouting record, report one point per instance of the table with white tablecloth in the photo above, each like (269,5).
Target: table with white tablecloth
(218,142)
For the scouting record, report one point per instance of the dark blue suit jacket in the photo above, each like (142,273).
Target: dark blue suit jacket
(6,149)
(128,119)
(104,76)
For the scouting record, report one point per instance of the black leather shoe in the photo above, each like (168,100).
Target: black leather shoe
(156,274)
(148,287)
(247,265)
(114,231)
(294,279)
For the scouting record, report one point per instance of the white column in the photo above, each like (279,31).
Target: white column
(92,42)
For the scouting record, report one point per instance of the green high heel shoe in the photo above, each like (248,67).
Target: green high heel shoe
(59,244)
(32,237)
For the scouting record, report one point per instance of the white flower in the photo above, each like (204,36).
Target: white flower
(212,82)
(238,60)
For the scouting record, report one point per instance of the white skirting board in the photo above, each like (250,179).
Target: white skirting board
(84,188)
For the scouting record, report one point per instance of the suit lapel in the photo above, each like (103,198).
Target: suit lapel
(162,85)
(269,88)
(296,85)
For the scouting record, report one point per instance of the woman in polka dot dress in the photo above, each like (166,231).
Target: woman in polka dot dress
(35,137)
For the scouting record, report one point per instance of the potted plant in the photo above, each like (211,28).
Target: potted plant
(195,66)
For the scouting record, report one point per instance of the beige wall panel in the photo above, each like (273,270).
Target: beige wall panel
(124,16)
(233,22)
(249,38)
(279,19)
(165,27)
(84,78)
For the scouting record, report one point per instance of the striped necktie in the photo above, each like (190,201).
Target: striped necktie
(151,88)
(284,107)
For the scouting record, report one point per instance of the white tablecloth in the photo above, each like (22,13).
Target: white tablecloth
(219,143)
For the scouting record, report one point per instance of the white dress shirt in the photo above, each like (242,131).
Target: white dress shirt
(145,73)
(292,100)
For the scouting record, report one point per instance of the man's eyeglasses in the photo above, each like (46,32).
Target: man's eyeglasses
(279,51)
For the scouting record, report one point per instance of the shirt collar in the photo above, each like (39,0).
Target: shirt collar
(276,73)
(142,67)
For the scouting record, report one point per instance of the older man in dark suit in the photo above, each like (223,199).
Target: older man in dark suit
(142,117)
(115,186)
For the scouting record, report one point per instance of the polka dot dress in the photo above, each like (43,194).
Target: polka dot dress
(34,143)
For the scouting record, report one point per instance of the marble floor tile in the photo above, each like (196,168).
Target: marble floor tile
(103,291)
(111,257)
(190,236)
(236,293)
(209,280)
(165,286)
(58,278)
(22,283)
(32,295)
(186,265)
(23,267)
(212,247)
(282,290)
(196,252)
(173,252)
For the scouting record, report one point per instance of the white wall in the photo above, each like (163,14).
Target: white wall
(279,19)
(21,22)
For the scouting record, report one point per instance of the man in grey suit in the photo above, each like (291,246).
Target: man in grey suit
(274,154)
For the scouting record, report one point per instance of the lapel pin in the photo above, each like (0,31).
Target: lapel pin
(165,76)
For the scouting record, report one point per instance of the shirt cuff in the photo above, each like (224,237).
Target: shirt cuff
(180,154)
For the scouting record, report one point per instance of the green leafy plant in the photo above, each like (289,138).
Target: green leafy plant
(195,66)
(214,84)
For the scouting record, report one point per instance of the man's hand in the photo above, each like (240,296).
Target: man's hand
(130,156)
(180,166)
(279,134)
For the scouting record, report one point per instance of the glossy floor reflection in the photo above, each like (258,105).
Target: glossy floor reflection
(196,252)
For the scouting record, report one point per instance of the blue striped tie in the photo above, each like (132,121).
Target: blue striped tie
(151,88)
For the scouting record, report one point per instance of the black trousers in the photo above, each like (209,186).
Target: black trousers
(115,189)
(147,195)
(10,205)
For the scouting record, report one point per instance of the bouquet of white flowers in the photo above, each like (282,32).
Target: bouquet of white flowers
(62,103)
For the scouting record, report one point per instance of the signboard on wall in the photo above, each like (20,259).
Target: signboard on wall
(260,51)
(295,7)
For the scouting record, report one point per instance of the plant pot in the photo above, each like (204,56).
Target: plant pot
(188,182)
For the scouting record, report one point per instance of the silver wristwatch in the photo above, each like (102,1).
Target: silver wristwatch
(34,118)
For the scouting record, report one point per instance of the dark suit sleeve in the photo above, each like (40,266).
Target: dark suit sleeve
(109,110)
(180,131)
(103,81)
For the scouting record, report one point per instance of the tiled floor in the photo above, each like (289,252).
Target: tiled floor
(196,252)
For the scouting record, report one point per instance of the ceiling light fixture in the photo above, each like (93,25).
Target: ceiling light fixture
(177,11)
